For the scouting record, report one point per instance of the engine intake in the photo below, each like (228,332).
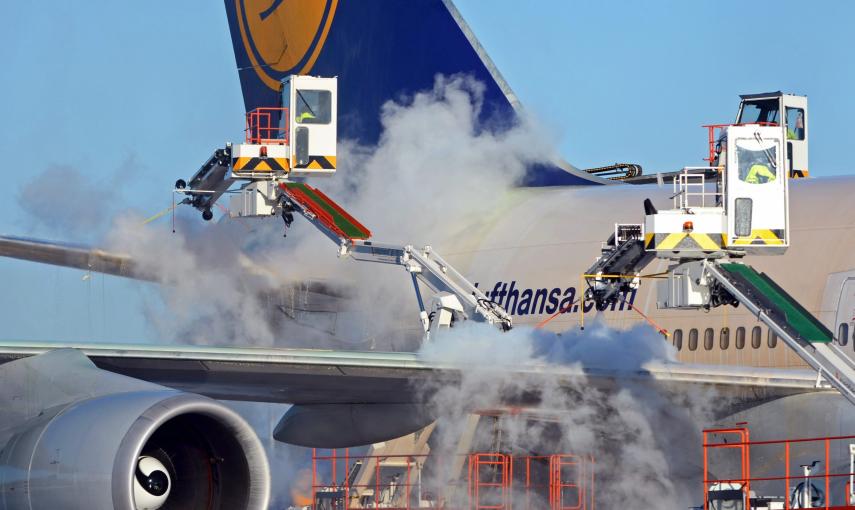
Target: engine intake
(143,449)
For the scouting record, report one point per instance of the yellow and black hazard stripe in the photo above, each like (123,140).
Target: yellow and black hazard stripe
(684,241)
(319,163)
(799,174)
(259,164)
(761,237)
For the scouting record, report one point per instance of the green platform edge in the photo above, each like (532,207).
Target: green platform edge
(341,222)
(800,319)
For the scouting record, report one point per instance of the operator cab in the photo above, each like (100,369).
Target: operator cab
(310,102)
(765,109)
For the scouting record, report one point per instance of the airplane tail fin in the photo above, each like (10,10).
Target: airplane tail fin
(380,50)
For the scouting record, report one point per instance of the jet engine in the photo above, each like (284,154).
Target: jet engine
(76,436)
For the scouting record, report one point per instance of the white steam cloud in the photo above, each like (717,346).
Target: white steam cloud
(645,440)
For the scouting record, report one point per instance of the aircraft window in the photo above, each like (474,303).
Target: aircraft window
(740,337)
(693,339)
(677,338)
(724,338)
(772,340)
(843,333)
(313,107)
(795,124)
(709,338)
(756,333)
(764,110)
(756,161)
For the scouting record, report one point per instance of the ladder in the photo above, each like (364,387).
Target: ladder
(423,264)
(797,327)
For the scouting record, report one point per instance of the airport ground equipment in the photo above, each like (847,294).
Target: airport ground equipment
(617,171)
(296,139)
(290,143)
(741,472)
(743,209)
(787,112)
(455,298)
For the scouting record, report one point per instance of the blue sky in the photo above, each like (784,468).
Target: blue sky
(137,94)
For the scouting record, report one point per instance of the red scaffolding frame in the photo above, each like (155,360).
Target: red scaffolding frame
(713,136)
(745,480)
(562,481)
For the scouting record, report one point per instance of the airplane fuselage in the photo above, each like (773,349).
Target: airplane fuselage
(530,257)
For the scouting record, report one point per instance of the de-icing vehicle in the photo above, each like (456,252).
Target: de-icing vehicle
(737,206)
(286,145)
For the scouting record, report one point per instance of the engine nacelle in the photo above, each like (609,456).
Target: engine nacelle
(147,448)
(347,425)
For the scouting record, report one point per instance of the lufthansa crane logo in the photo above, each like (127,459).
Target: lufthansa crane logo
(283,37)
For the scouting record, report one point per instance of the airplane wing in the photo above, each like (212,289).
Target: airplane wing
(309,376)
(71,255)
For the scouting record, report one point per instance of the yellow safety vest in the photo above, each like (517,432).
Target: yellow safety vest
(305,115)
(756,172)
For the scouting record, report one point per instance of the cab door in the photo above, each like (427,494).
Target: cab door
(756,189)
(796,133)
(313,125)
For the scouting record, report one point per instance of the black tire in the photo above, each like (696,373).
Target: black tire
(180,184)
(207,215)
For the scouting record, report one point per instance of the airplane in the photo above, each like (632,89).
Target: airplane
(356,42)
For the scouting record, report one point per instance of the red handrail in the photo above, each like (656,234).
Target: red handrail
(712,138)
(267,126)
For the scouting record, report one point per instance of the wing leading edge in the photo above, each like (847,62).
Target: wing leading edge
(306,376)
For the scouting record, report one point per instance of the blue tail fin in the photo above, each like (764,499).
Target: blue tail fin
(379,49)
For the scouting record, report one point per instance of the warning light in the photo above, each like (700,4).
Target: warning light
(263,151)
(688,226)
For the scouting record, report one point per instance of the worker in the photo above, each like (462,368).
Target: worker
(759,174)
(305,116)
(798,132)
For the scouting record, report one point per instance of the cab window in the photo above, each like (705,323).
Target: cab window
(313,106)
(795,124)
(759,111)
(756,162)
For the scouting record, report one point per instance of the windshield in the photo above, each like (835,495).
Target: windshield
(756,161)
(313,106)
(759,111)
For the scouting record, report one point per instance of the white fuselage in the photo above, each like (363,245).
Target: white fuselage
(532,253)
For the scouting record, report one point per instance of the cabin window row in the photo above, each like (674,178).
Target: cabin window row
(755,340)
(741,338)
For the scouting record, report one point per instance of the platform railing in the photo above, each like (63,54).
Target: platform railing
(267,126)
(690,188)
(792,452)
